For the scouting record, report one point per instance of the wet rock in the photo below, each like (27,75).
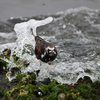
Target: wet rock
(3,67)
(37,72)
(41,99)
(86,79)
(14,71)
(62,96)
(45,81)
(22,87)
(4,83)
(7,52)
(3,64)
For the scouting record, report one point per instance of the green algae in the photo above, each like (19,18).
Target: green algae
(3,64)
(88,71)
(19,63)
(6,53)
(29,90)
(28,49)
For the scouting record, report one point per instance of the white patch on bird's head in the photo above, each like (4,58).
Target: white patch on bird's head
(49,48)
(50,51)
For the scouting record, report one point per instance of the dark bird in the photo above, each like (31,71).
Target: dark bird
(45,51)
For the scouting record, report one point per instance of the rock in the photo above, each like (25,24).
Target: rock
(62,96)
(86,79)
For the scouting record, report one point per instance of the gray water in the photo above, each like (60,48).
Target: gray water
(76,34)
(29,8)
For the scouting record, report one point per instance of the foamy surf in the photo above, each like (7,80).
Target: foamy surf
(76,34)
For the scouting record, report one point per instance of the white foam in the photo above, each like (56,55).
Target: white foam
(25,37)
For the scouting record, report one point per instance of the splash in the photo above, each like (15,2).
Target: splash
(24,34)
(25,43)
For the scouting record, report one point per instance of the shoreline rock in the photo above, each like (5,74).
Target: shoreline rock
(25,87)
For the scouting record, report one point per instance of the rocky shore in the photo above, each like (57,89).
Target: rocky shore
(25,86)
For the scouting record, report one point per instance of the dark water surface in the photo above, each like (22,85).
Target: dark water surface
(28,8)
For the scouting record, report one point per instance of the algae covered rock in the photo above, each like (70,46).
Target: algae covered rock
(3,64)
(22,87)
(28,49)
(11,64)
(62,96)
(26,87)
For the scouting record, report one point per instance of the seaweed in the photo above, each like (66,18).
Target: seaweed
(25,89)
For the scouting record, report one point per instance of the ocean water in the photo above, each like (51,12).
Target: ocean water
(76,35)
(29,8)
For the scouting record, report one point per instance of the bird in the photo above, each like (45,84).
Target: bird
(44,51)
